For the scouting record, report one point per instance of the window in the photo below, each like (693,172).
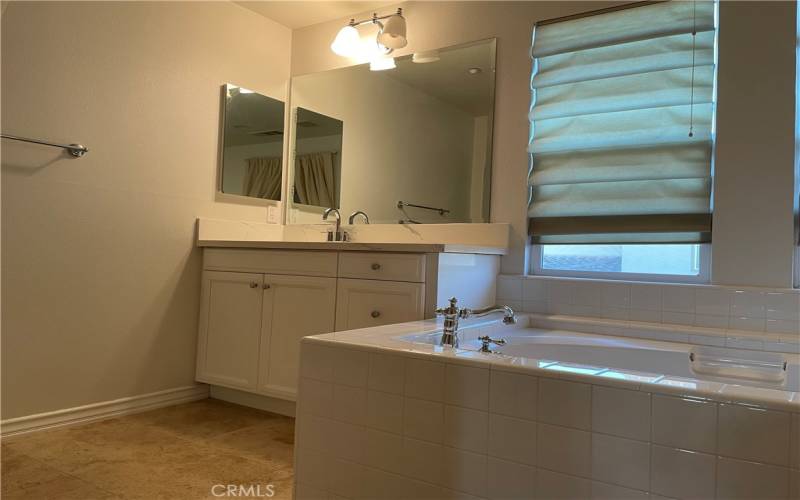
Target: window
(662,261)
(621,142)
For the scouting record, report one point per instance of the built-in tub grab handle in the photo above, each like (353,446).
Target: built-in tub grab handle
(738,368)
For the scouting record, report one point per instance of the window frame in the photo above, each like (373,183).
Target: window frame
(702,277)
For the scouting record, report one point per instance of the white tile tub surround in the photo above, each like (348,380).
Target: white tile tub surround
(444,423)
(748,318)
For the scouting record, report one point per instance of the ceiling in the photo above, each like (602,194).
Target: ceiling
(299,14)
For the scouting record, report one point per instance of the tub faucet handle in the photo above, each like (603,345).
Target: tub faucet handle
(487,340)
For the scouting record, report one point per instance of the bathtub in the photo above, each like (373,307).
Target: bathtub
(386,412)
(597,355)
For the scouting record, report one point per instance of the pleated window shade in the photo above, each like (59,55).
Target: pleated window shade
(614,99)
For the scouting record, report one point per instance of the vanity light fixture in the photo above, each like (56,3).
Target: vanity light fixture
(391,36)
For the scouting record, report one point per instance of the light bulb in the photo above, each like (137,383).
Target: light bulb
(346,43)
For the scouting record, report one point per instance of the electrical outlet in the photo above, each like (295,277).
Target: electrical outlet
(273,213)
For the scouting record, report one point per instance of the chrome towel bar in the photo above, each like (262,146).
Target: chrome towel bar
(76,150)
(402,204)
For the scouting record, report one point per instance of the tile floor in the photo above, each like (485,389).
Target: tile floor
(179,452)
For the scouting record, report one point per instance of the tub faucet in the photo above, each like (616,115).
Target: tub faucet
(338,234)
(452,314)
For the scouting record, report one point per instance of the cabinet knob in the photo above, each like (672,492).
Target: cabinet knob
(266,286)
(375,314)
(376,266)
(253,284)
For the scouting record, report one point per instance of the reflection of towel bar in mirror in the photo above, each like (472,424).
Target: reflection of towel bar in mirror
(403,204)
(76,150)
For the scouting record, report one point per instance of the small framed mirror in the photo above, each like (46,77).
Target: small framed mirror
(251,151)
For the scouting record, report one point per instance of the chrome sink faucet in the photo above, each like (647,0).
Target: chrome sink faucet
(356,214)
(338,234)
(452,314)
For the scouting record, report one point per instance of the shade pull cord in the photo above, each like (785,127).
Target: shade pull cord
(694,46)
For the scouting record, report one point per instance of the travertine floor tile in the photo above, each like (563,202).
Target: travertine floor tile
(261,442)
(206,419)
(179,452)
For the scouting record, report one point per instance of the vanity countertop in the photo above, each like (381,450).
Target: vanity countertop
(354,246)
(487,239)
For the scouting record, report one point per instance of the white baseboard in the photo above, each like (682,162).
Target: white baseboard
(102,410)
(258,401)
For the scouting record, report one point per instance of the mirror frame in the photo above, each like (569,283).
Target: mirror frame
(221,196)
(292,129)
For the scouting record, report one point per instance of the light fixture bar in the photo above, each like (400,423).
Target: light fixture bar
(375,19)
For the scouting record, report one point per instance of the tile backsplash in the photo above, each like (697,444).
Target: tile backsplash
(707,306)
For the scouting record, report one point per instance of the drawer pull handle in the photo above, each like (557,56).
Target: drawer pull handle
(376,266)
(266,286)
(253,284)
(375,314)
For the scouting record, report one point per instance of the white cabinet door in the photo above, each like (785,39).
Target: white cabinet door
(364,303)
(294,307)
(230,329)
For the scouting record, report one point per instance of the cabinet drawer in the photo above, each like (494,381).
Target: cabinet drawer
(366,303)
(293,262)
(382,266)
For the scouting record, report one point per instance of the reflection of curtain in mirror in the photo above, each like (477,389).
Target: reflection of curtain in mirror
(314,182)
(263,178)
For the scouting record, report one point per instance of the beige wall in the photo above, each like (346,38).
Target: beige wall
(100,277)
(754,167)
(753,222)
(398,143)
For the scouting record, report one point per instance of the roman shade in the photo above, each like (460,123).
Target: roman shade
(621,125)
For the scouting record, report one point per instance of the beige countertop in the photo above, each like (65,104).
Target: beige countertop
(487,239)
(355,246)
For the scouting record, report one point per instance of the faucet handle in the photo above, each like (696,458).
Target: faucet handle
(487,340)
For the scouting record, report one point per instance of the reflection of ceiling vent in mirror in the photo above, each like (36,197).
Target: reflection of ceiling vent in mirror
(307,124)
(267,132)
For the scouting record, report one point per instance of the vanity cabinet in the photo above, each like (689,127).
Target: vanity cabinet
(256,304)
(251,324)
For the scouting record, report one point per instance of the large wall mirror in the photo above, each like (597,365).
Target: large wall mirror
(251,158)
(420,134)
